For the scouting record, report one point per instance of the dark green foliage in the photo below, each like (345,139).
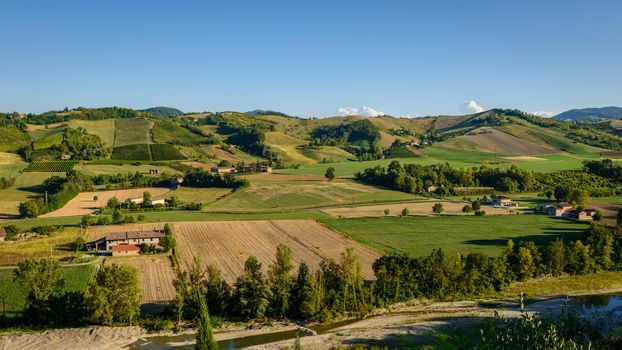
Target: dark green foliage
(132,152)
(205,335)
(360,137)
(566,332)
(163,111)
(60,191)
(82,145)
(605,168)
(201,178)
(302,306)
(251,291)
(51,167)
(330,174)
(114,295)
(11,232)
(40,279)
(163,151)
(280,282)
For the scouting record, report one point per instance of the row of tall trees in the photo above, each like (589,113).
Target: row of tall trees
(335,288)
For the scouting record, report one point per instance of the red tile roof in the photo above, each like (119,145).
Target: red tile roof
(125,248)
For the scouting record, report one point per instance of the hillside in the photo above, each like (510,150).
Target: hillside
(590,114)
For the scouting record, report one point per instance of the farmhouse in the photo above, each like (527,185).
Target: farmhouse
(154,172)
(152,238)
(223,170)
(559,210)
(502,201)
(138,200)
(2,234)
(582,215)
(125,250)
(431,188)
(153,202)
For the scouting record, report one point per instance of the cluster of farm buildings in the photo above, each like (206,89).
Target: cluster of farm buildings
(126,243)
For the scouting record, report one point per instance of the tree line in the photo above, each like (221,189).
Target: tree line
(415,178)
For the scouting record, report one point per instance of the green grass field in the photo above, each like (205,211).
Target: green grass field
(104,128)
(166,131)
(110,169)
(27,186)
(290,195)
(454,234)
(47,137)
(432,155)
(11,164)
(132,132)
(12,138)
(76,279)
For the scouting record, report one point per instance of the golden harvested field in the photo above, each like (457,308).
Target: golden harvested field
(283,177)
(155,274)
(228,244)
(84,204)
(414,208)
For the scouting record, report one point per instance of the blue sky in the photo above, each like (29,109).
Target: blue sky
(311,58)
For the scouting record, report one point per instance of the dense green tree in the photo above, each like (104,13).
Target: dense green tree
(330,174)
(555,257)
(437,208)
(30,209)
(302,300)
(39,279)
(405,211)
(113,203)
(205,335)
(467,209)
(600,241)
(280,281)
(114,295)
(218,291)
(251,291)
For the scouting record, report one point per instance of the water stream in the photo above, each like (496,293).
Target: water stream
(607,306)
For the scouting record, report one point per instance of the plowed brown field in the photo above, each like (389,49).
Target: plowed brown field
(228,244)
(155,275)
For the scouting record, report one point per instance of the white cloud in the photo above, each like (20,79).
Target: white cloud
(348,111)
(364,111)
(470,106)
(372,112)
(544,114)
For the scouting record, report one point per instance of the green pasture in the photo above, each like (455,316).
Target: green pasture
(93,169)
(104,128)
(76,279)
(272,195)
(417,236)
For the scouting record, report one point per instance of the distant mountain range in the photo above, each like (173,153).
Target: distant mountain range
(163,111)
(590,114)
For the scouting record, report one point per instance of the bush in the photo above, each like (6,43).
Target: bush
(480,213)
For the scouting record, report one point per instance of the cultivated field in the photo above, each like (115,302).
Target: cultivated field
(93,169)
(493,140)
(84,204)
(281,192)
(454,234)
(10,164)
(234,156)
(227,244)
(155,275)
(414,208)
(27,186)
(132,132)
(199,195)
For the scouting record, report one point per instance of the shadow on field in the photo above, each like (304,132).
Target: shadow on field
(546,237)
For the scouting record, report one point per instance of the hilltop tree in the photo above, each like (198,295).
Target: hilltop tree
(330,174)
(251,292)
(114,295)
(280,280)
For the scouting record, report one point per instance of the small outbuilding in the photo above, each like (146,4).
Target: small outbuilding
(559,210)
(153,202)
(502,201)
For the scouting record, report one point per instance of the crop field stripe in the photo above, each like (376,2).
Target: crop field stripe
(50,167)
